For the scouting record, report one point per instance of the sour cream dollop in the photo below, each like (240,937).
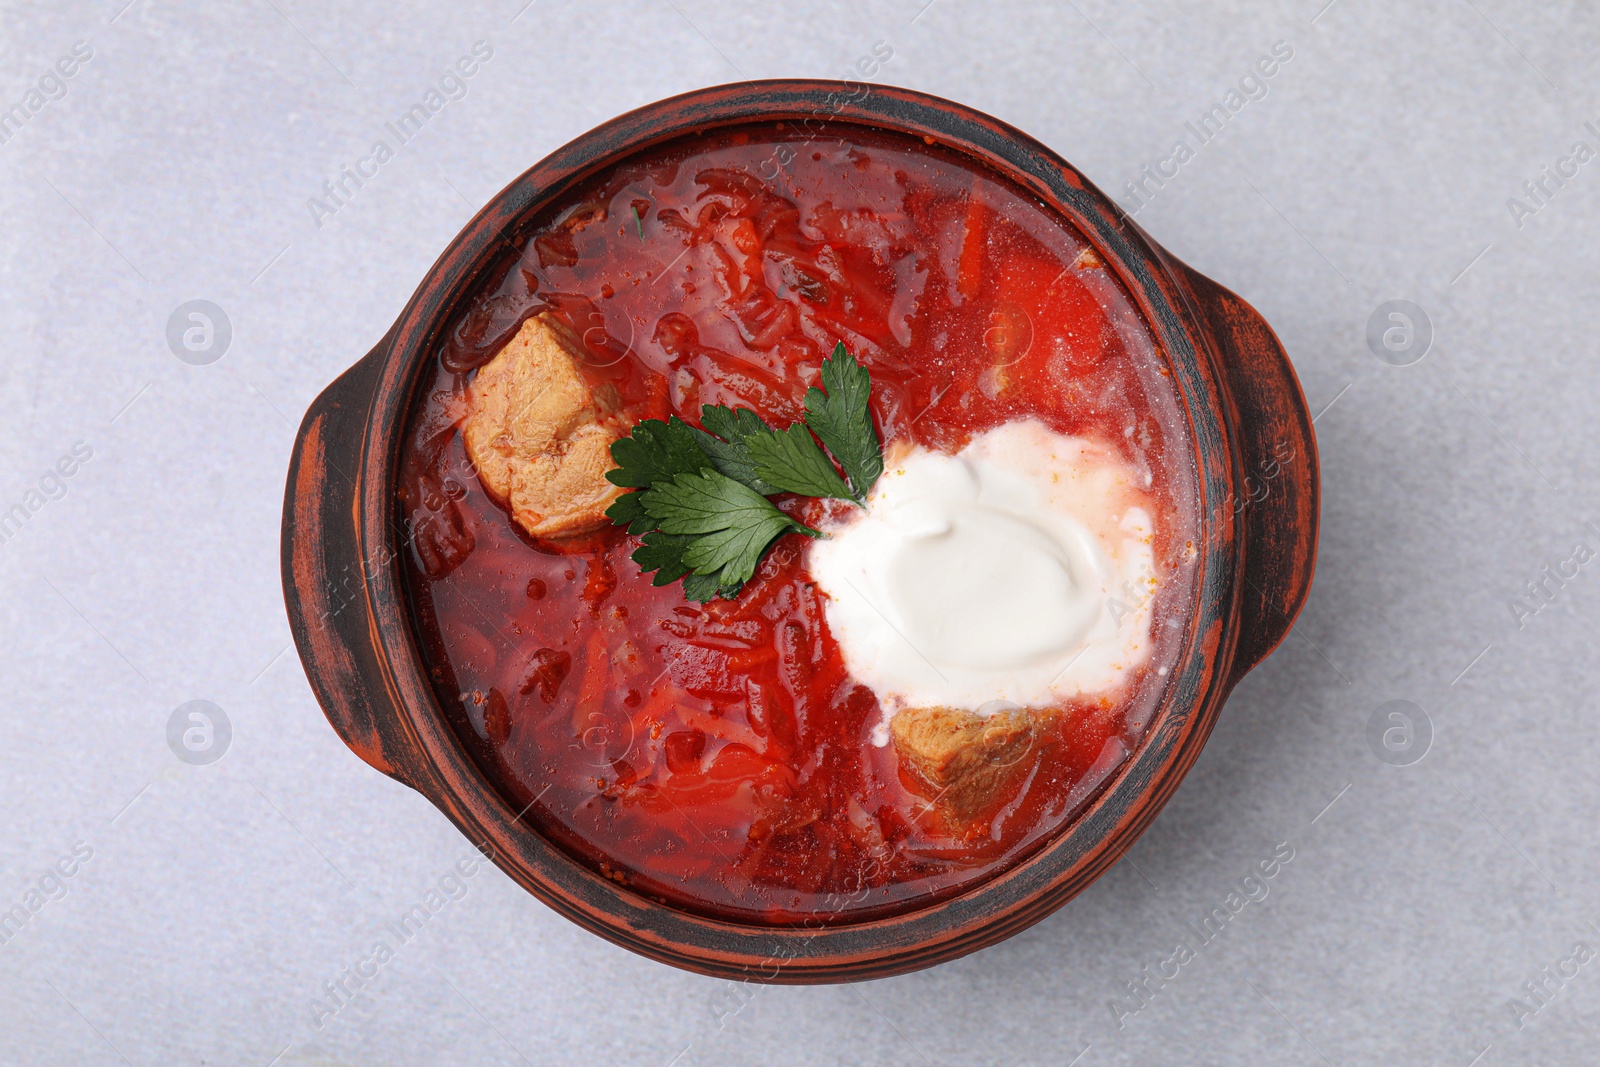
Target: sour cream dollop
(1018,572)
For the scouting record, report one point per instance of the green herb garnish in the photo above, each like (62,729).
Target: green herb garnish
(701,505)
(729,448)
(791,460)
(655,451)
(841,420)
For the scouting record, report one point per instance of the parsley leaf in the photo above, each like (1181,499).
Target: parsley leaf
(733,429)
(655,451)
(662,553)
(702,587)
(731,524)
(841,419)
(791,461)
(701,510)
(627,511)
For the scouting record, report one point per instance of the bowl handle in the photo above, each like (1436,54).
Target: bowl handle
(324,583)
(1277,501)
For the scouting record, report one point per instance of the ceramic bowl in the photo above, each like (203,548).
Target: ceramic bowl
(1258,490)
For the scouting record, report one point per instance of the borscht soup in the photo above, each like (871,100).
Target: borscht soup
(798,528)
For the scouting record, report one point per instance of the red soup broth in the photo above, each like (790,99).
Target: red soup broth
(719,757)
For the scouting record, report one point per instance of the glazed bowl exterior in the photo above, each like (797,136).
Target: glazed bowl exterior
(1257,486)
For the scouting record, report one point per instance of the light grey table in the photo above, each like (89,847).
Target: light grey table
(208,904)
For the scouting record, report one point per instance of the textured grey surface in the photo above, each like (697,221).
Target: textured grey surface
(219,898)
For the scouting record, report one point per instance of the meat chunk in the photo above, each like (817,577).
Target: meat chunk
(965,761)
(538,436)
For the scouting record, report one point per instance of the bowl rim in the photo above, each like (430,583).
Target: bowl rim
(994,907)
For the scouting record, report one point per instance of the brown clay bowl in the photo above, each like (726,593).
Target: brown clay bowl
(1258,488)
